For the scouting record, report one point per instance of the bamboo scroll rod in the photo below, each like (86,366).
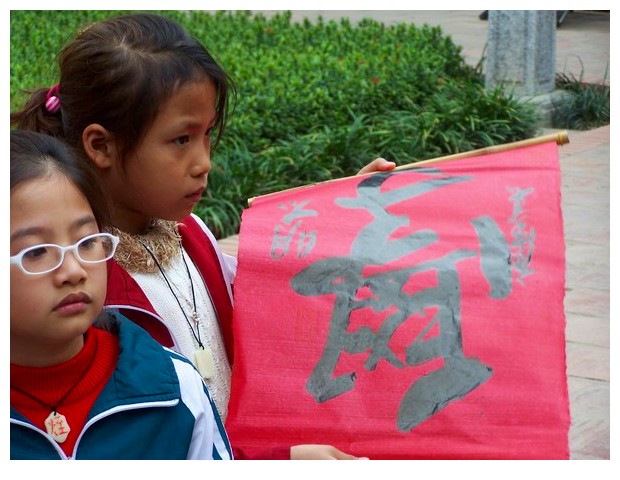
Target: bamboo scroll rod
(560,137)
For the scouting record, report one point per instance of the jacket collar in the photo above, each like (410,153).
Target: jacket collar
(144,372)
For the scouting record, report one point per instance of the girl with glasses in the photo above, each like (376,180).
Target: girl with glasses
(85,383)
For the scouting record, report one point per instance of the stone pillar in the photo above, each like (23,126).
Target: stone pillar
(521,51)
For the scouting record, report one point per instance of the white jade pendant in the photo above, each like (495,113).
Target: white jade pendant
(57,426)
(205,362)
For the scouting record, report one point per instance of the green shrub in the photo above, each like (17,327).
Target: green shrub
(316,100)
(586,107)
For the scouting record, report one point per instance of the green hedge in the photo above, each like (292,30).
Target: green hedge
(316,100)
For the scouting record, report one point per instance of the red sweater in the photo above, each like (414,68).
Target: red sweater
(95,363)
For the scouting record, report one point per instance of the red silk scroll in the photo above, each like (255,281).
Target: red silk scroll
(405,315)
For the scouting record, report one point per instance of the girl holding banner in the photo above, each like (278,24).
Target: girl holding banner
(145,103)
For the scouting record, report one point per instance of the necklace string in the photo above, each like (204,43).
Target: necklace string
(196,333)
(53,408)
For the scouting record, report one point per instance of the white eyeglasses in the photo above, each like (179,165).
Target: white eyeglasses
(47,257)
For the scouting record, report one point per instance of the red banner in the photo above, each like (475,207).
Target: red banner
(411,314)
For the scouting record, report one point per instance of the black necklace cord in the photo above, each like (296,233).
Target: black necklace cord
(53,408)
(196,333)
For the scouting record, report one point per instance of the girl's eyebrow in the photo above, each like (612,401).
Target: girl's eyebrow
(85,220)
(25,232)
(192,122)
(29,231)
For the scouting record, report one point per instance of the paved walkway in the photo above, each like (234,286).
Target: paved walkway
(585,166)
(586,205)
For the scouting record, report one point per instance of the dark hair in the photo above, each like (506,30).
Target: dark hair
(117,73)
(36,155)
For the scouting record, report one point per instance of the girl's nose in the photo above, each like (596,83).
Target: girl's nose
(71,270)
(202,163)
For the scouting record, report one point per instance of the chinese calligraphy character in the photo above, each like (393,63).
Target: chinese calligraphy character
(346,277)
(523,243)
(282,240)
(57,426)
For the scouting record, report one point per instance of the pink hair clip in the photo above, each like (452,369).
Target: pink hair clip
(52,102)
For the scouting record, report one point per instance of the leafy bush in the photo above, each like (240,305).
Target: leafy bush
(587,106)
(316,100)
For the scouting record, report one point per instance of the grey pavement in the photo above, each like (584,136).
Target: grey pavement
(583,44)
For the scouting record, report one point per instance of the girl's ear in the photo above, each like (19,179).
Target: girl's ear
(99,145)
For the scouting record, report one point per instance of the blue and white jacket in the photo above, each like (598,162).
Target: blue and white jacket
(155,406)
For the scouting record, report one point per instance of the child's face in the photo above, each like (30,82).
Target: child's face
(167,174)
(51,311)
